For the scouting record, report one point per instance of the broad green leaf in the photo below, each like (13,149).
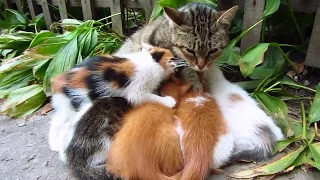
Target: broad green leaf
(252,57)
(273,64)
(40,69)
(275,107)
(271,7)
(18,63)
(305,154)
(48,47)
(315,150)
(314,114)
(234,57)
(226,53)
(64,60)
(281,145)
(248,85)
(271,168)
(24,101)
(284,95)
(312,163)
(42,36)
(286,80)
(13,80)
(156,12)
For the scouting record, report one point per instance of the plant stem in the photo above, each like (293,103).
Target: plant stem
(247,30)
(304,123)
(116,14)
(295,21)
(303,87)
(275,84)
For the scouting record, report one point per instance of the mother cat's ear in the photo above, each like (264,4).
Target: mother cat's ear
(177,17)
(225,17)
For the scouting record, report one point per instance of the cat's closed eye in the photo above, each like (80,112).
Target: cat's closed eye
(190,51)
(212,51)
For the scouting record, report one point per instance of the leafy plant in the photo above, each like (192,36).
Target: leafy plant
(26,79)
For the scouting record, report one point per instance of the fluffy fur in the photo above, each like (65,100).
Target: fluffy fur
(147,146)
(196,33)
(253,131)
(134,76)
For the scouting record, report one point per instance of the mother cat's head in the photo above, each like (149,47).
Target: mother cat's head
(199,33)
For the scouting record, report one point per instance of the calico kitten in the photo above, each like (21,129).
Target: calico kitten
(255,133)
(196,32)
(147,145)
(88,137)
(133,76)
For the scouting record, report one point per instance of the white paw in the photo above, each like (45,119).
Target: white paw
(169,101)
(197,87)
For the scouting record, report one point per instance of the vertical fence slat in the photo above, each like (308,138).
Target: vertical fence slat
(63,9)
(88,9)
(117,22)
(46,12)
(313,54)
(19,5)
(253,10)
(33,8)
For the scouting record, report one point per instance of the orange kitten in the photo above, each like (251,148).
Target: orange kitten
(147,146)
(203,134)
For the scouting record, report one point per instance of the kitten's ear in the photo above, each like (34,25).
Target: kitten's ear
(146,47)
(225,17)
(175,15)
(185,88)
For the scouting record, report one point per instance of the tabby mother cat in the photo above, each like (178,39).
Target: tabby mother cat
(196,32)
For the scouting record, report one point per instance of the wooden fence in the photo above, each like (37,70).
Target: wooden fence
(252,13)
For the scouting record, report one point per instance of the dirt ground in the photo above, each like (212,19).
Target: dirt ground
(25,154)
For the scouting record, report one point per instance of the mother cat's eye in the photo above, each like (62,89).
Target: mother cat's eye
(213,51)
(190,51)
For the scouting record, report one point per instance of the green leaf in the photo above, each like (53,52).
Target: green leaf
(24,101)
(248,85)
(312,163)
(271,7)
(64,60)
(39,70)
(286,80)
(303,156)
(271,168)
(156,12)
(13,80)
(281,145)
(275,107)
(252,57)
(42,36)
(314,114)
(273,64)
(227,52)
(315,150)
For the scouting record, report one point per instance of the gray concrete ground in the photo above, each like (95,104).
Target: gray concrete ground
(25,154)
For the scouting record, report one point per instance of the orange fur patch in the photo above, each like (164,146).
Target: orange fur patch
(167,56)
(235,98)
(202,125)
(147,146)
(77,78)
(126,67)
(58,82)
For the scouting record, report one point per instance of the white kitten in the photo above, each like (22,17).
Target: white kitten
(254,132)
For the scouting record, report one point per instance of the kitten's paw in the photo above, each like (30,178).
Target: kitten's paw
(197,87)
(169,101)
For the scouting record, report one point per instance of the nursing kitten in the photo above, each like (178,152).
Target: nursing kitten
(147,145)
(196,33)
(134,76)
(88,137)
(205,139)
(255,133)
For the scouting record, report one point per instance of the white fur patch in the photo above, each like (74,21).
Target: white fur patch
(198,100)
(180,132)
(223,151)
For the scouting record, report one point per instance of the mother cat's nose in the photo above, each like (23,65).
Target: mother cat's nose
(201,63)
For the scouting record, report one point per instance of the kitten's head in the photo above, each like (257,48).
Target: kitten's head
(175,88)
(164,57)
(199,33)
